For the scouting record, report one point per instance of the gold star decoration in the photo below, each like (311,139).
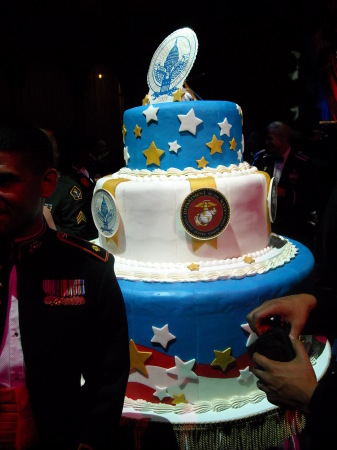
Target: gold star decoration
(202,163)
(137,131)
(215,145)
(179,398)
(124,131)
(248,259)
(232,144)
(146,100)
(137,358)
(153,154)
(177,95)
(223,359)
(193,267)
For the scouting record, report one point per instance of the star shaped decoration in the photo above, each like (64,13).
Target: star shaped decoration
(123,132)
(243,143)
(137,358)
(137,131)
(193,267)
(177,95)
(161,392)
(162,336)
(239,155)
(252,336)
(146,100)
(248,259)
(215,145)
(153,154)
(232,144)
(151,114)
(183,370)
(189,122)
(202,163)
(126,154)
(222,359)
(174,146)
(225,127)
(179,398)
(245,376)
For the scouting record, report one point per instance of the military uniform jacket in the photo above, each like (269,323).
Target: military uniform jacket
(68,332)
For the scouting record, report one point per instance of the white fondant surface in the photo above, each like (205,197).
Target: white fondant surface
(149,205)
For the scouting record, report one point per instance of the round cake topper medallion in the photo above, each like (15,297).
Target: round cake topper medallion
(205,213)
(171,64)
(105,213)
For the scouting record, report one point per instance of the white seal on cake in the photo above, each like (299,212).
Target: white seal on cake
(171,64)
(105,213)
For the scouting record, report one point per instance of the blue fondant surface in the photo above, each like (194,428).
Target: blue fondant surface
(207,316)
(193,147)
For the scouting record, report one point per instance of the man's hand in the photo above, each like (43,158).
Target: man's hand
(288,384)
(293,309)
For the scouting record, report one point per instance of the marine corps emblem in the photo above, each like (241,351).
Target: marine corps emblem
(205,213)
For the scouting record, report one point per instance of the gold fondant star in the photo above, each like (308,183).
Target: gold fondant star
(138,131)
(137,358)
(124,131)
(179,398)
(202,163)
(248,259)
(223,359)
(215,145)
(193,267)
(153,154)
(177,95)
(232,144)
(146,100)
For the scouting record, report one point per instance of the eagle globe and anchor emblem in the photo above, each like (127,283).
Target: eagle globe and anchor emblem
(205,213)
(105,213)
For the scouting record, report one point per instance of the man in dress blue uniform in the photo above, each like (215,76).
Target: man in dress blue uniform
(64,358)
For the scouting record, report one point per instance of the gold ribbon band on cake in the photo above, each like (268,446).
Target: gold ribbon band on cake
(110,185)
(199,183)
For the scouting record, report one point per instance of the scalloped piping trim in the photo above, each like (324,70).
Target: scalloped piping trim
(267,259)
(173,173)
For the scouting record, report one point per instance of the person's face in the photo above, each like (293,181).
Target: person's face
(22,194)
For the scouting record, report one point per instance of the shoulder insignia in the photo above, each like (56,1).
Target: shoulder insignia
(76,193)
(86,246)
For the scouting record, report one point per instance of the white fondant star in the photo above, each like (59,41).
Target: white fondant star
(189,122)
(161,392)
(126,154)
(245,375)
(239,155)
(183,370)
(252,336)
(162,336)
(174,146)
(243,143)
(225,127)
(239,109)
(151,114)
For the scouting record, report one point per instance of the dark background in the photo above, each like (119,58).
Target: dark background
(249,52)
